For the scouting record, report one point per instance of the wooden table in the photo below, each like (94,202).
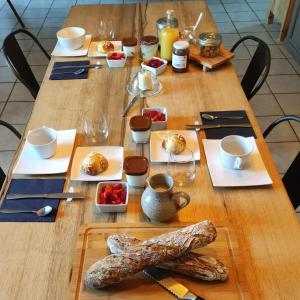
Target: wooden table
(36,258)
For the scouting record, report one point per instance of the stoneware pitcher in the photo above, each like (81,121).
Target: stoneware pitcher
(159,201)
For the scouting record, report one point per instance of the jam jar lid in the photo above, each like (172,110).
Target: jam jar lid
(210,39)
(135,165)
(129,41)
(149,40)
(140,123)
(180,45)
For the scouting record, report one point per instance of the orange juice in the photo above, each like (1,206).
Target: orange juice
(168,37)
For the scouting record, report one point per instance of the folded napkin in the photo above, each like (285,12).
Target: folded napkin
(32,186)
(61,73)
(219,133)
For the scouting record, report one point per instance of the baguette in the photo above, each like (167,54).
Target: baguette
(117,267)
(190,264)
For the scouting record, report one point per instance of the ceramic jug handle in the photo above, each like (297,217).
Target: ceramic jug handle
(186,199)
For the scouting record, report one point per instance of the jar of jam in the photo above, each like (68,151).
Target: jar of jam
(180,56)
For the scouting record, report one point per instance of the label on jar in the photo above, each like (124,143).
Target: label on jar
(179,61)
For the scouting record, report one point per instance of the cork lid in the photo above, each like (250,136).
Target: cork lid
(136,165)
(129,41)
(140,123)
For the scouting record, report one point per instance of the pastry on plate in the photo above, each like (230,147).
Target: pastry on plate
(174,143)
(94,164)
(105,46)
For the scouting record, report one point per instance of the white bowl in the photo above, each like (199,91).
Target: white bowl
(116,63)
(71,37)
(158,125)
(111,207)
(43,141)
(155,71)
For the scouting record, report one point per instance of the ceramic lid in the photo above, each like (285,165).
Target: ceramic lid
(136,165)
(140,123)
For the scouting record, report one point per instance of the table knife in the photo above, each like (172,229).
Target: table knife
(78,66)
(170,284)
(47,196)
(130,104)
(208,126)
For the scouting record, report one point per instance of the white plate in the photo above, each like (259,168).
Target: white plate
(30,164)
(159,154)
(61,51)
(114,156)
(93,50)
(255,174)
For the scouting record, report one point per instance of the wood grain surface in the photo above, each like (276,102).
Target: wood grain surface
(36,258)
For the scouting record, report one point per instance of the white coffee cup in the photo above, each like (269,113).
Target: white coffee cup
(235,151)
(43,141)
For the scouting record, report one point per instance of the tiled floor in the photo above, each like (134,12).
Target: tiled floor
(235,18)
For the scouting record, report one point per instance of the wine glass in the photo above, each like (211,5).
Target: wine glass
(182,167)
(95,130)
(106,30)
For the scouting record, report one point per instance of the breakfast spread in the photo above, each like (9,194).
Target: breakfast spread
(105,46)
(94,163)
(117,267)
(174,143)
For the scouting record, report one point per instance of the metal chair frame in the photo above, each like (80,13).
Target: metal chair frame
(18,62)
(258,68)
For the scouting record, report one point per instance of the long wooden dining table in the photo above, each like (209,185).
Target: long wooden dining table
(36,258)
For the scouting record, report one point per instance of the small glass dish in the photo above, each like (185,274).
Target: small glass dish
(134,90)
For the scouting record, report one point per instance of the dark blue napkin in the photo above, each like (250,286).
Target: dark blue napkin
(32,186)
(219,133)
(59,74)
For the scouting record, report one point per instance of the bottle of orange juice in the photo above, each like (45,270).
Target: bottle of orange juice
(168,36)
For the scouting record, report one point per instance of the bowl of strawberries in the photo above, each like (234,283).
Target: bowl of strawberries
(112,196)
(158,117)
(116,59)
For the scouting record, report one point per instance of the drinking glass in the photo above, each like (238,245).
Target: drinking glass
(182,168)
(95,130)
(106,30)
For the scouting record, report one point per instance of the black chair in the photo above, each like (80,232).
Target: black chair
(258,68)
(291,177)
(18,135)
(15,13)
(18,63)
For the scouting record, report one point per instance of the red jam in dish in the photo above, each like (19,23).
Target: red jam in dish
(112,194)
(116,56)
(156,116)
(155,63)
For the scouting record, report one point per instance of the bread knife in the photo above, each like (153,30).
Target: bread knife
(170,284)
(211,126)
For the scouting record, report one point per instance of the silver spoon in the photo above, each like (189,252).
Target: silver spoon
(212,117)
(44,211)
(76,72)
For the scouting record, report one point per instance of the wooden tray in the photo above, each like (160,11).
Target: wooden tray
(210,63)
(91,246)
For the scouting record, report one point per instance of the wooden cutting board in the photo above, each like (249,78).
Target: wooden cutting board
(91,246)
(210,62)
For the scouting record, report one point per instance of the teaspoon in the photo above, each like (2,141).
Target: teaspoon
(44,211)
(212,117)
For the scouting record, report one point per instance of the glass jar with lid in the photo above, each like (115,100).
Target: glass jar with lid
(149,46)
(168,21)
(210,43)
(180,56)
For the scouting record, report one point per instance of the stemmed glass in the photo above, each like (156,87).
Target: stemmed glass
(182,168)
(106,30)
(95,130)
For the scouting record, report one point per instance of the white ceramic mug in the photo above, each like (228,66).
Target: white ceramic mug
(235,151)
(43,141)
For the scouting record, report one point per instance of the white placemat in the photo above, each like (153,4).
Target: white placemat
(114,170)
(255,174)
(30,164)
(63,52)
